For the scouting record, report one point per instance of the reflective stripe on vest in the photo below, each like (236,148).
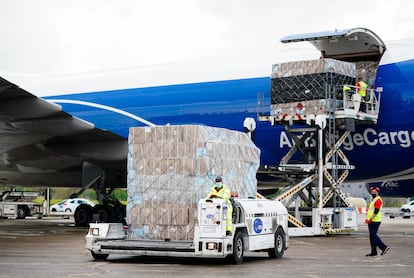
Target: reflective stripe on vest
(371,209)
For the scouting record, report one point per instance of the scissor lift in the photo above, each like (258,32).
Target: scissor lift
(309,98)
(315,203)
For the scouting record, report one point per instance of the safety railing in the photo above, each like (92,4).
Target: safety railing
(369,104)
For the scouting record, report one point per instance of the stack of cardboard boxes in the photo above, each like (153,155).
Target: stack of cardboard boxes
(299,88)
(171,167)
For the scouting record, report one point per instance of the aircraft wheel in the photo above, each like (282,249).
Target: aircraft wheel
(102,213)
(82,215)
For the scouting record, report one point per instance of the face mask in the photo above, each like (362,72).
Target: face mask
(374,195)
(219,184)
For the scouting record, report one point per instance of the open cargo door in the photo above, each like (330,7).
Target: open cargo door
(351,45)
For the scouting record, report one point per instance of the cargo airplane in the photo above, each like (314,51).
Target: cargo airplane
(72,131)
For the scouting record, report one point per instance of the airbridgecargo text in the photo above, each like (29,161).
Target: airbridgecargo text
(369,136)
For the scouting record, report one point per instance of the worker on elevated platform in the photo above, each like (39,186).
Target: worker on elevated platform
(362,88)
(354,99)
(219,190)
(362,91)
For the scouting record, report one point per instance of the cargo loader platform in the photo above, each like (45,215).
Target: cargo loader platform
(317,101)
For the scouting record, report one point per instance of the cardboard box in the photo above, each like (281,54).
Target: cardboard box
(170,168)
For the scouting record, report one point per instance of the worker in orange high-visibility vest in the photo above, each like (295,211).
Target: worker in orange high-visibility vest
(374,217)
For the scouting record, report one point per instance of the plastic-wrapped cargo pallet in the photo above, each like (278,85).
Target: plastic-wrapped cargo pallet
(298,88)
(171,167)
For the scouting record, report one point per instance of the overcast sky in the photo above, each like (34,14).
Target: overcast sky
(58,36)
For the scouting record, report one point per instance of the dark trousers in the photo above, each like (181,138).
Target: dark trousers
(374,239)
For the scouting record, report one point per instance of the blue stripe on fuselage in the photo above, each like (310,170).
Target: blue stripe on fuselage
(386,148)
(220,103)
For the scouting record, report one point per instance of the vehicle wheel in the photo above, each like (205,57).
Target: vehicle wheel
(82,215)
(21,213)
(238,249)
(99,257)
(279,249)
(102,212)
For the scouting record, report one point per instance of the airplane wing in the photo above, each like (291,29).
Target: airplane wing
(41,145)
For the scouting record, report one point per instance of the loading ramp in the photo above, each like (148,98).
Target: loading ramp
(318,103)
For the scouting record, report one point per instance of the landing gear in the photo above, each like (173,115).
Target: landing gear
(102,213)
(83,215)
(109,209)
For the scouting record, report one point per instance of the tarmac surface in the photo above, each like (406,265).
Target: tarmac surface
(53,247)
